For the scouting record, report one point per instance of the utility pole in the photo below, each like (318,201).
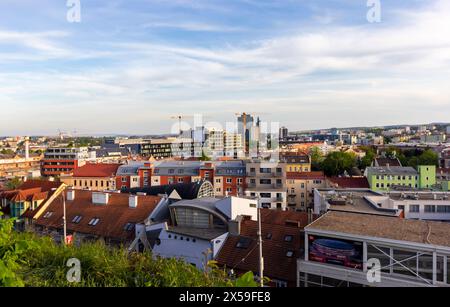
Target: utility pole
(261,259)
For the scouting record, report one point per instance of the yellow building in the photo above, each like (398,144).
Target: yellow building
(296,162)
(95,177)
(301,189)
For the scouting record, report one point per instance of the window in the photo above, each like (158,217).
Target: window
(268,236)
(94,221)
(229,190)
(430,208)
(243,243)
(290,254)
(180,180)
(288,238)
(414,208)
(129,226)
(443,209)
(401,207)
(124,179)
(48,214)
(171,171)
(229,180)
(218,180)
(265,181)
(77,219)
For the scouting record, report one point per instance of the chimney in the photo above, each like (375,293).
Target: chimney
(234,226)
(99,198)
(133,201)
(71,195)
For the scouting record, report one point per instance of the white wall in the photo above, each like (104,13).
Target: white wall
(234,206)
(189,251)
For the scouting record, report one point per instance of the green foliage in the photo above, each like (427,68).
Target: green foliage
(316,158)
(204,157)
(13,183)
(29,260)
(7,151)
(246,281)
(368,158)
(413,157)
(336,163)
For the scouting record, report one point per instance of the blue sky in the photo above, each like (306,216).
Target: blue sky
(130,65)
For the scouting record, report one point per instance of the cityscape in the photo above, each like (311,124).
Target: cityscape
(185,173)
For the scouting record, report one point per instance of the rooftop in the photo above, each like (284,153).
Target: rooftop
(282,243)
(96,170)
(305,175)
(113,217)
(392,170)
(355,200)
(350,182)
(423,232)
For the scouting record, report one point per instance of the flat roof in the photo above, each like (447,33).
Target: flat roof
(355,200)
(392,170)
(423,232)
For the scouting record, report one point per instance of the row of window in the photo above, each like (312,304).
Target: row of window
(382,185)
(391,177)
(90,183)
(427,208)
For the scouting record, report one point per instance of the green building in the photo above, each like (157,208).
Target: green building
(387,177)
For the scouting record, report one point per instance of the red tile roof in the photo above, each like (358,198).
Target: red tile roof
(113,216)
(96,170)
(277,225)
(350,182)
(305,175)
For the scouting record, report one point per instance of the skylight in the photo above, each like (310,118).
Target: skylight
(94,221)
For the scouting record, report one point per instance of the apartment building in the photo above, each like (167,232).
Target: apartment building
(391,177)
(172,147)
(19,166)
(341,250)
(64,160)
(267,181)
(95,177)
(171,172)
(135,174)
(229,178)
(296,161)
(300,189)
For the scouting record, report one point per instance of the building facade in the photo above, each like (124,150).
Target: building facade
(267,181)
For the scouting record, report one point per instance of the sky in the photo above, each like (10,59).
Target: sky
(129,65)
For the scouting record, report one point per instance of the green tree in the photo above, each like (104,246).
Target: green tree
(368,158)
(336,163)
(316,158)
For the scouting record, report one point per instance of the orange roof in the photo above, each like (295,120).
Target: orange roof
(350,182)
(278,265)
(305,175)
(113,216)
(96,170)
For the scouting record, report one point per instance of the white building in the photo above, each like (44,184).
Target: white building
(352,250)
(197,228)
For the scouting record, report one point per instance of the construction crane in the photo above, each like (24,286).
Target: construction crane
(180,118)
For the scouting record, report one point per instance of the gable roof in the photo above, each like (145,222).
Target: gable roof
(113,216)
(278,265)
(96,170)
